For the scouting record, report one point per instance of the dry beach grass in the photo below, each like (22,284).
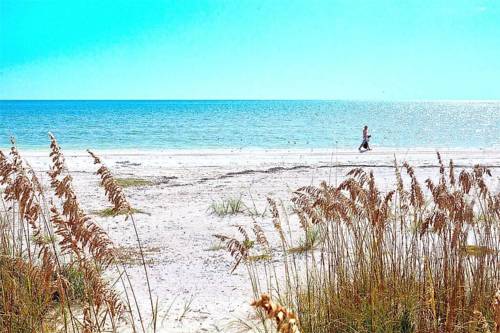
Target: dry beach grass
(412,259)
(53,255)
(360,262)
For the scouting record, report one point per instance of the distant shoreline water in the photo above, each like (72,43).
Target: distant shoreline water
(213,124)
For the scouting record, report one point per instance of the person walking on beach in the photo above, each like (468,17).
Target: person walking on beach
(366,138)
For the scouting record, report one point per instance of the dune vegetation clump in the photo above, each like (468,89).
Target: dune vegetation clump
(133,182)
(416,258)
(224,207)
(53,255)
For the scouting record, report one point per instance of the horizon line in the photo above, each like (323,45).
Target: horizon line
(249,99)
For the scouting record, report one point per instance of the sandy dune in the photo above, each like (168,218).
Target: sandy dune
(177,229)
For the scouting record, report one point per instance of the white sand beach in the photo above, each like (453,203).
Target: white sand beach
(177,228)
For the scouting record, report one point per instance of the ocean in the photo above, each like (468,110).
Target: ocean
(250,124)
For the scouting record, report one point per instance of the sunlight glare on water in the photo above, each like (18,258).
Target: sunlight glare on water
(248,124)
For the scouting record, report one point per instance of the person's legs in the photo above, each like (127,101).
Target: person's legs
(361,145)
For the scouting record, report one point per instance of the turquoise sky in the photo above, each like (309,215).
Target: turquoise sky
(270,49)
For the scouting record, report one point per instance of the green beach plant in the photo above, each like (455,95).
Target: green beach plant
(312,239)
(229,206)
(132,182)
(111,212)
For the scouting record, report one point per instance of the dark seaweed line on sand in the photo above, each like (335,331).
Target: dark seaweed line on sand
(298,167)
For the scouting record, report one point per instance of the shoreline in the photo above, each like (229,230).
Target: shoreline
(224,151)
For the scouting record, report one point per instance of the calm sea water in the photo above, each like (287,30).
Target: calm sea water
(246,124)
